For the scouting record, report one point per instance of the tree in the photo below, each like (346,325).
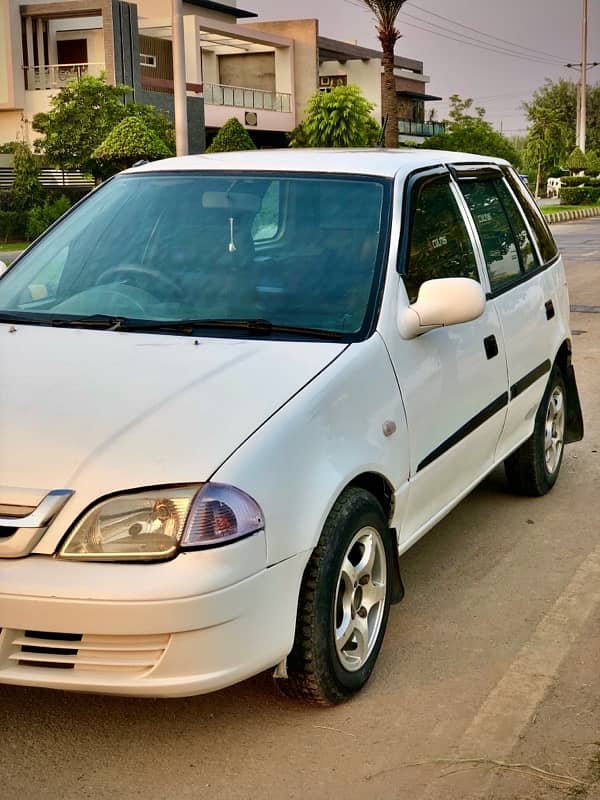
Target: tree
(386,13)
(129,141)
(576,162)
(340,118)
(472,134)
(26,190)
(546,142)
(561,97)
(232,136)
(82,115)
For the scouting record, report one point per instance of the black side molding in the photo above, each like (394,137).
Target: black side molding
(470,426)
(527,380)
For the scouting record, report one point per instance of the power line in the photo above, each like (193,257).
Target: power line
(473,43)
(487,35)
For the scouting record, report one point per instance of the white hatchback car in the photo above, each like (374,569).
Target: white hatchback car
(236,388)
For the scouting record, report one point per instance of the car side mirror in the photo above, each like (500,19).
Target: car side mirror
(441,302)
(3,268)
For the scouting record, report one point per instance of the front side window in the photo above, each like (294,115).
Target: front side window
(291,250)
(439,243)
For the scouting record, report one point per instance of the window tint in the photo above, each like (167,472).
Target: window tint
(546,243)
(529,259)
(506,244)
(439,245)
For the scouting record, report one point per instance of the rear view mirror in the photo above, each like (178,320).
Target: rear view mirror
(441,302)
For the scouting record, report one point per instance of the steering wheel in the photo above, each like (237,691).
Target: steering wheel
(139,270)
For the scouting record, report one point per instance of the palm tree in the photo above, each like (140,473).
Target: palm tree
(386,13)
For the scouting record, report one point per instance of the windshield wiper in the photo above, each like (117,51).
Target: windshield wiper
(95,321)
(262,327)
(258,326)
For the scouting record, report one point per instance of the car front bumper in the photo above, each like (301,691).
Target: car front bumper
(162,647)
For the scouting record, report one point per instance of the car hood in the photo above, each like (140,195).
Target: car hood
(100,411)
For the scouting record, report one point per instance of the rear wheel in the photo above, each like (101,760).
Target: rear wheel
(344,603)
(533,469)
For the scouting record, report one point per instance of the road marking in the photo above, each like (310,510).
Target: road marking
(508,709)
(586,309)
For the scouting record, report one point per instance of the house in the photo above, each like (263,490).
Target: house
(263,73)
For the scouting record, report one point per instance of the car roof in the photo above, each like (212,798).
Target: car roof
(371,161)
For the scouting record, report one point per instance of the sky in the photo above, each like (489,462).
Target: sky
(543,35)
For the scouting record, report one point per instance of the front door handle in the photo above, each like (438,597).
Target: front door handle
(550,309)
(491,346)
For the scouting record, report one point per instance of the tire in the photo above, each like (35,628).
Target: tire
(344,603)
(533,469)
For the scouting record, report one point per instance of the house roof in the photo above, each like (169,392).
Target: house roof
(418,95)
(335,50)
(211,5)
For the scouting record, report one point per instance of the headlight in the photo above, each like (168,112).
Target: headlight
(153,525)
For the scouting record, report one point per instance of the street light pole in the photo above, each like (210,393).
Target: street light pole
(179,87)
(583,89)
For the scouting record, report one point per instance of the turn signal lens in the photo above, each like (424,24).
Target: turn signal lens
(220,514)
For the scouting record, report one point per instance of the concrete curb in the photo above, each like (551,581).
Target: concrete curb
(568,216)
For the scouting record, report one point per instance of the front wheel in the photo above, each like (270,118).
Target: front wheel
(533,469)
(344,603)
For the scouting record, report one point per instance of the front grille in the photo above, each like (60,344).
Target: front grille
(5,532)
(77,651)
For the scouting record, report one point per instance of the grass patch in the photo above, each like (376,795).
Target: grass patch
(13,246)
(557,209)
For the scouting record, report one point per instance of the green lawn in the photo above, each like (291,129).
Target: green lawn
(13,246)
(558,208)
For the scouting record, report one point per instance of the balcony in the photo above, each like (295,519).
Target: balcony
(239,97)
(55,76)
(424,129)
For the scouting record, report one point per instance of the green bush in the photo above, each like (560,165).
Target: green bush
(577,195)
(41,217)
(580,180)
(129,141)
(232,136)
(12,226)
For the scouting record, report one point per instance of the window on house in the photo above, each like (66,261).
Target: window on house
(147,60)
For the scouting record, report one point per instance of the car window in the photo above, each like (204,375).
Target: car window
(529,259)
(187,246)
(545,242)
(498,241)
(439,243)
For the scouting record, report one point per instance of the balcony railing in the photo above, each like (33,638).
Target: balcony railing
(237,96)
(55,76)
(409,128)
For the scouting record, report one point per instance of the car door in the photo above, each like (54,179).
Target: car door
(454,379)
(523,294)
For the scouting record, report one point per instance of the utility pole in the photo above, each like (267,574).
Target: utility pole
(583,89)
(179,87)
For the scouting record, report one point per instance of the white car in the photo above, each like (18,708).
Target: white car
(235,389)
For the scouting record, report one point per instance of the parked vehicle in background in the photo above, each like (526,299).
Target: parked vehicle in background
(237,388)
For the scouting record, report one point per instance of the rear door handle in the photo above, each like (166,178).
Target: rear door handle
(550,312)
(491,346)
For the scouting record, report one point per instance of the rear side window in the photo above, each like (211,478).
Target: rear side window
(506,244)
(545,242)
(439,244)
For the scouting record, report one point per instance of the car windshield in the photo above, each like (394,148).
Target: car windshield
(287,250)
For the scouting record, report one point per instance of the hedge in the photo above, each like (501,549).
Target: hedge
(576,195)
(580,180)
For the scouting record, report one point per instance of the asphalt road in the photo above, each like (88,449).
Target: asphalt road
(498,596)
